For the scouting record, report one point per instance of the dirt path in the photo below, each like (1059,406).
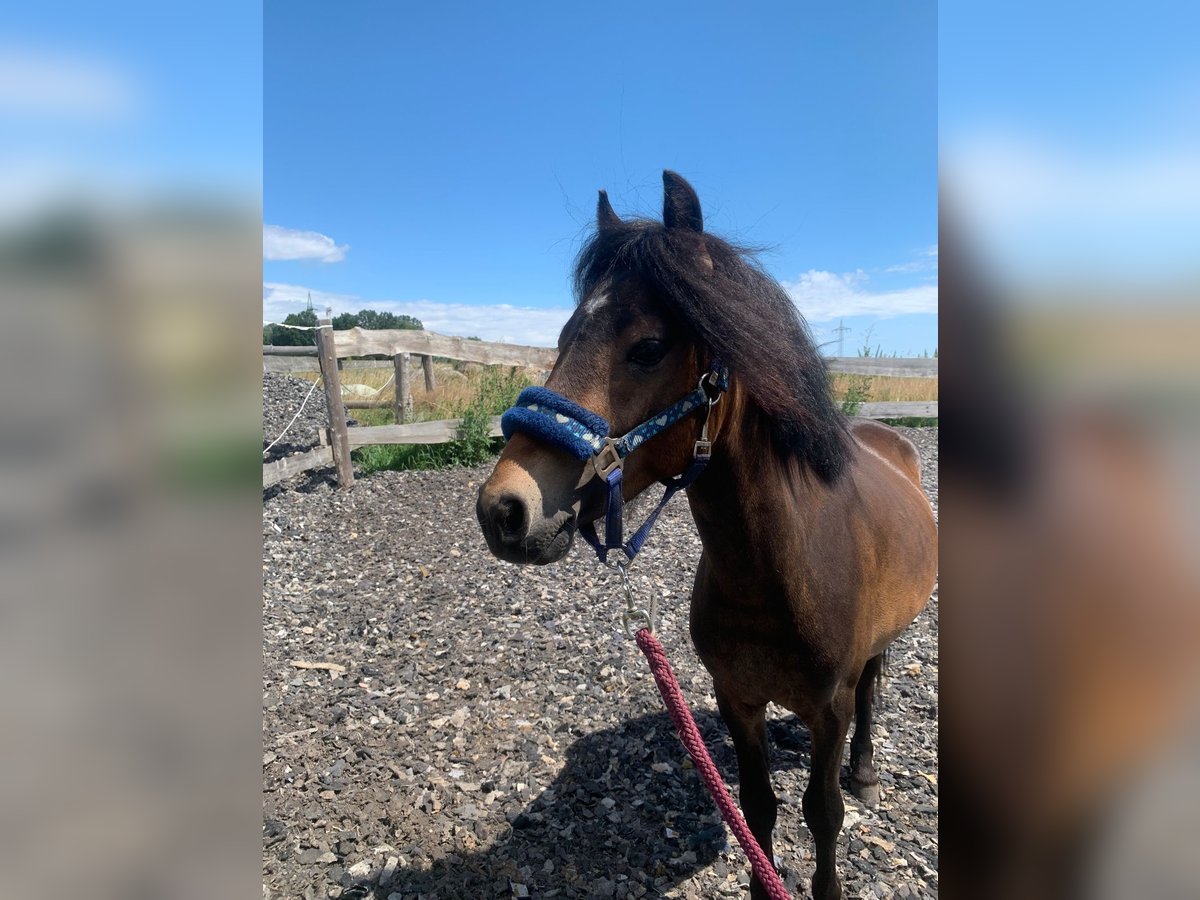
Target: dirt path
(489,731)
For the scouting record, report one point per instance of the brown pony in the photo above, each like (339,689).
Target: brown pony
(819,545)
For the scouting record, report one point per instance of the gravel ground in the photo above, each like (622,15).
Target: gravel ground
(282,397)
(489,731)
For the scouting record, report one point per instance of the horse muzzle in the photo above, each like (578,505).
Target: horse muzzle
(528,509)
(515,535)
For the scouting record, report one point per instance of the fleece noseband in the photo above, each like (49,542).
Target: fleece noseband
(550,417)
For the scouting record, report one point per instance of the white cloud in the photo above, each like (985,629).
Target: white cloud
(926,261)
(63,85)
(287,243)
(1008,174)
(497,322)
(1028,190)
(500,322)
(280,299)
(821,296)
(1038,206)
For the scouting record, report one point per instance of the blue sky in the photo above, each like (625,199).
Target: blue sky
(118,101)
(1072,147)
(443,159)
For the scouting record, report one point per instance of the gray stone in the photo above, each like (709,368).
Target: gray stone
(360,870)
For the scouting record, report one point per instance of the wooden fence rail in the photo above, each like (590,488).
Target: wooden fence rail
(899,409)
(288,364)
(894,367)
(389,342)
(438,432)
(338,440)
(272,350)
(851,365)
(295,464)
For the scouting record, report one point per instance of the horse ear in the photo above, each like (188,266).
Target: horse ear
(681,206)
(606,219)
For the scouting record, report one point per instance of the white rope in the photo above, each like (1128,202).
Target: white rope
(294,418)
(378,389)
(297,327)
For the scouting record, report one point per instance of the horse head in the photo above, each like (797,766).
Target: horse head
(624,357)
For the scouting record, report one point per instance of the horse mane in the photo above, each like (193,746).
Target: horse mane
(744,318)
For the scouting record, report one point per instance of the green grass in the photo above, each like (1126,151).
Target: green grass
(495,391)
(857,392)
(912,422)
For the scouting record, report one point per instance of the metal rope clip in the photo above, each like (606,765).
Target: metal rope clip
(634,618)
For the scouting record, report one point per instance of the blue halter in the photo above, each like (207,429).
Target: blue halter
(550,417)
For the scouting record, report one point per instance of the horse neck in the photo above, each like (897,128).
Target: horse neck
(750,491)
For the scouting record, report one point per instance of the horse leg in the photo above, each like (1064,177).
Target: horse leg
(864,782)
(823,806)
(747,724)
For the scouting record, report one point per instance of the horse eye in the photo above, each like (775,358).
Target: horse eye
(648,352)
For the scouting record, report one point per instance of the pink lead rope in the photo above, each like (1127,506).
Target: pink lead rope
(664,677)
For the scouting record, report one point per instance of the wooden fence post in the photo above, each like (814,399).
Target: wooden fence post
(327,357)
(403,403)
(427,365)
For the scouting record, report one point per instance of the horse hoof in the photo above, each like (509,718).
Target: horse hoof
(867,794)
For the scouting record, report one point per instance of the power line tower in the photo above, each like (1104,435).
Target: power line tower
(310,306)
(840,331)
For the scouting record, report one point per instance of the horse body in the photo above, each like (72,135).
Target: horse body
(826,577)
(819,546)
(843,570)
(799,590)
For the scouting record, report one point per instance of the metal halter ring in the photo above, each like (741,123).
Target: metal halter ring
(710,377)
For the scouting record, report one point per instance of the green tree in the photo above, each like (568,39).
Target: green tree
(279,336)
(372,320)
(299,337)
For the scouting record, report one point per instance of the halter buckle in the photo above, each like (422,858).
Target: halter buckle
(607,459)
(702,450)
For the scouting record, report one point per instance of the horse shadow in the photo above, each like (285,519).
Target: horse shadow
(623,811)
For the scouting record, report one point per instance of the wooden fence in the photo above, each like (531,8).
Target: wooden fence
(335,346)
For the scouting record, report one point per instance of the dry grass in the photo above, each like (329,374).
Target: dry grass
(455,389)
(886,388)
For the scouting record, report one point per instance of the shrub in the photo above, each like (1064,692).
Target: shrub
(858,391)
(495,392)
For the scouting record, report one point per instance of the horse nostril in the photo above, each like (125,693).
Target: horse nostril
(510,518)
